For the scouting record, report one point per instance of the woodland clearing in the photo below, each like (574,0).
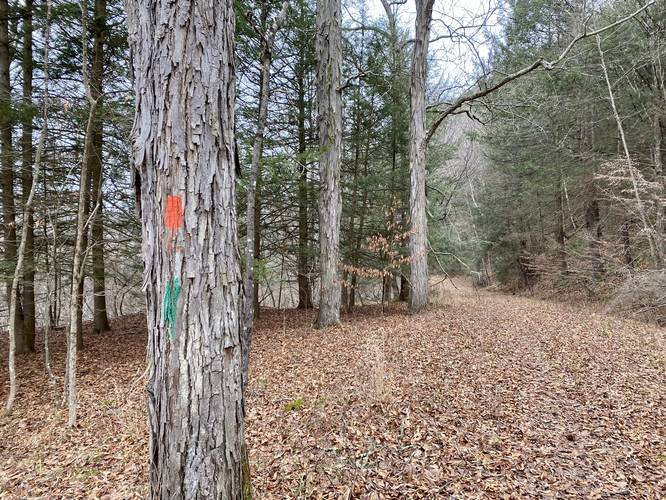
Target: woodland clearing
(485,395)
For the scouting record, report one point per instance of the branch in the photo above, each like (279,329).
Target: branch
(539,63)
(359,76)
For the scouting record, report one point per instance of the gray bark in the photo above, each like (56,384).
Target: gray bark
(101,319)
(75,330)
(183,146)
(655,241)
(418,297)
(329,98)
(28,210)
(593,225)
(252,224)
(28,292)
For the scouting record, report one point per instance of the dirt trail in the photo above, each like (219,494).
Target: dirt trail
(483,396)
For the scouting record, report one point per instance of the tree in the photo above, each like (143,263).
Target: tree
(418,297)
(75,327)
(99,32)
(183,152)
(28,294)
(28,212)
(329,71)
(7,164)
(267,35)
(303,64)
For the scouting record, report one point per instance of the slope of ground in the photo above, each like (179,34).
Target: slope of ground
(483,396)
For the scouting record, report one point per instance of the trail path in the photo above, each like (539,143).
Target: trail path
(483,396)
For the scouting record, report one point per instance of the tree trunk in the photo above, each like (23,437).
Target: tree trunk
(560,234)
(253,220)
(658,161)
(85,215)
(418,297)
(26,181)
(7,162)
(183,151)
(252,194)
(625,236)
(257,245)
(304,290)
(74,337)
(593,225)
(656,246)
(99,31)
(14,302)
(358,240)
(329,70)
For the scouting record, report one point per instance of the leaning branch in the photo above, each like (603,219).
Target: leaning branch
(539,63)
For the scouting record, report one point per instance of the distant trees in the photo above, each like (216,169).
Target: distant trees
(575,198)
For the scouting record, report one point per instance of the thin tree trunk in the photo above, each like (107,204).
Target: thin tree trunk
(75,332)
(593,225)
(560,233)
(253,194)
(356,259)
(28,292)
(86,188)
(7,163)
(626,245)
(655,243)
(658,144)
(329,72)
(50,299)
(347,294)
(304,290)
(418,297)
(184,71)
(13,306)
(257,245)
(99,31)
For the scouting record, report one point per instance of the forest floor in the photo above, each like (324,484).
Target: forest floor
(483,396)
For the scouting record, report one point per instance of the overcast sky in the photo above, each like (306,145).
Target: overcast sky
(455,64)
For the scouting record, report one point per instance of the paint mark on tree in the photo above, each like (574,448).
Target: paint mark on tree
(173,220)
(173,217)
(171,295)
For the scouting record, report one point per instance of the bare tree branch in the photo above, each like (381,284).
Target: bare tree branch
(539,63)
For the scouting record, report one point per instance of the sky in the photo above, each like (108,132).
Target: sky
(455,64)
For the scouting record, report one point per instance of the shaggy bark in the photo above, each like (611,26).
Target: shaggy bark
(183,152)
(329,70)
(418,297)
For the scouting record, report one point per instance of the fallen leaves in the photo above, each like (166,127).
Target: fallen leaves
(483,397)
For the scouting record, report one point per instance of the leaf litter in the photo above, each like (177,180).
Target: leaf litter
(482,396)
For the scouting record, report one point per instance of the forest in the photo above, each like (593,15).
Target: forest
(365,249)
